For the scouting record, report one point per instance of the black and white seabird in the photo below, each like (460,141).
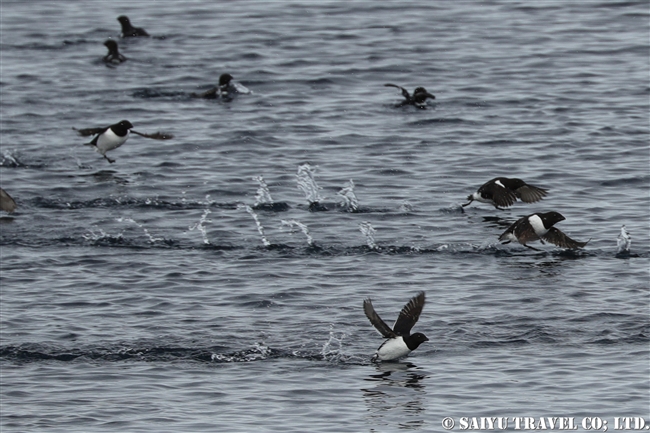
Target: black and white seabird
(113,57)
(128,30)
(399,341)
(7,203)
(539,227)
(110,137)
(502,192)
(418,99)
(226,89)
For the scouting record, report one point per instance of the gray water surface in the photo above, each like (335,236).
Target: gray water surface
(142,296)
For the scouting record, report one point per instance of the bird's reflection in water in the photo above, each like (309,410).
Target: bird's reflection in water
(498,222)
(397,398)
(103,176)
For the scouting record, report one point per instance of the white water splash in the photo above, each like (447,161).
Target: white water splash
(369,232)
(152,239)
(307,184)
(263,195)
(155,201)
(101,234)
(333,348)
(258,352)
(200,226)
(293,223)
(8,158)
(207,201)
(624,241)
(260,228)
(350,201)
(406,207)
(241,88)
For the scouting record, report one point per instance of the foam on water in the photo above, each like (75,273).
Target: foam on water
(200,226)
(350,200)
(293,223)
(260,228)
(624,241)
(307,184)
(151,238)
(369,232)
(263,196)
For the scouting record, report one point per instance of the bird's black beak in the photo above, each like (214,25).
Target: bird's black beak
(430,95)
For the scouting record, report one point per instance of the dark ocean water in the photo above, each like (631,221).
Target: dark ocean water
(145,296)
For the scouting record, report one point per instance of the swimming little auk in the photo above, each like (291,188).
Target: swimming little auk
(128,30)
(539,227)
(418,99)
(110,137)
(7,203)
(502,192)
(113,57)
(226,89)
(399,341)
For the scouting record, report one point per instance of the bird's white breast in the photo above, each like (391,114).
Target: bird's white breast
(392,349)
(477,196)
(109,141)
(537,225)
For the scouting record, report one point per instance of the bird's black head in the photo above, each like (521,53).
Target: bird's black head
(420,95)
(111,45)
(414,340)
(124,20)
(551,218)
(125,124)
(224,79)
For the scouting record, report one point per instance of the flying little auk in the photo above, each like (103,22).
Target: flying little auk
(418,99)
(502,192)
(539,227)
(399,341)
(113,57)
(226,89)
(128,30)
(109,138)
(7,203)
(112,137)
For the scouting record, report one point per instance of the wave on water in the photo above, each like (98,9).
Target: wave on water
(623,329)
(128,202)
(149,93)
(160,353)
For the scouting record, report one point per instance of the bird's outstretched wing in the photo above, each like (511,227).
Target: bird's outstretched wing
(502,196)
(405,92)
(87,132)
(376,321)
(531,194)
(7,203)
(155,135)
(409,315)
(555,236)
